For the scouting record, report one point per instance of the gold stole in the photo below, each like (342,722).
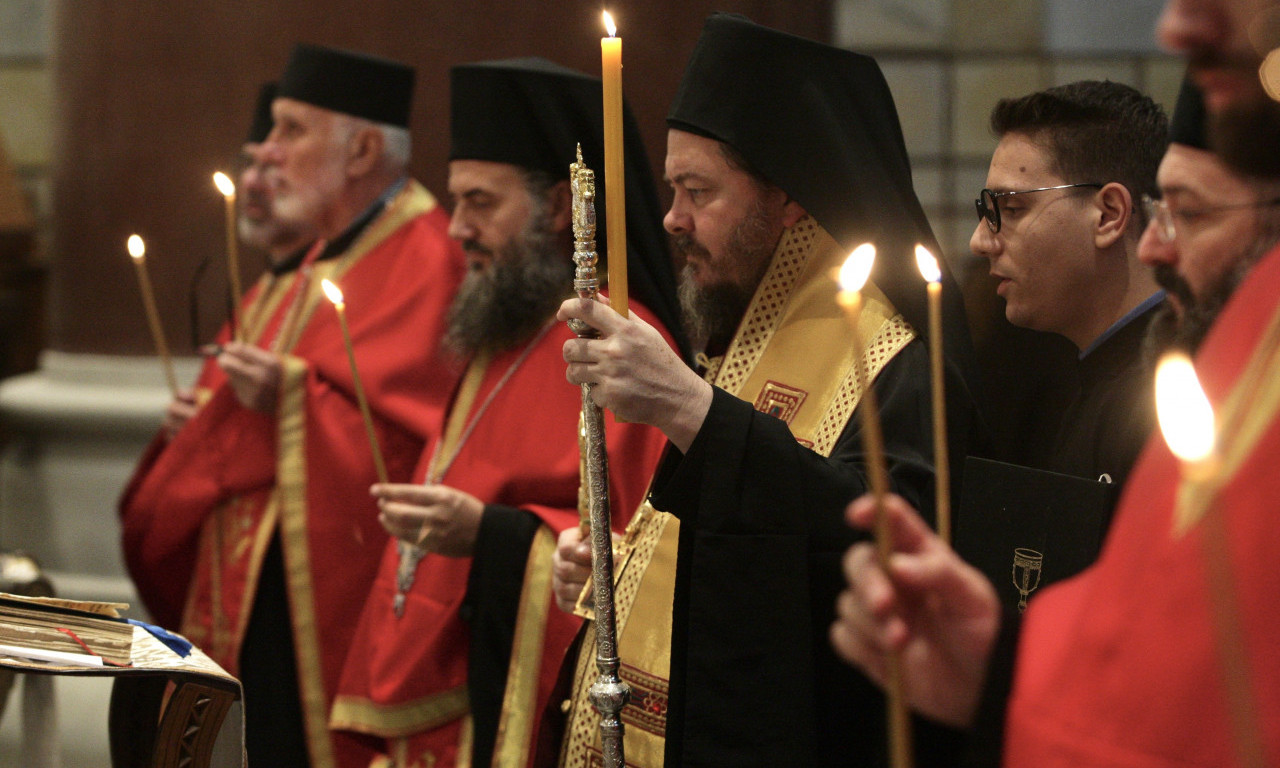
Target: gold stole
(290,496)
(399,722)
(792,357)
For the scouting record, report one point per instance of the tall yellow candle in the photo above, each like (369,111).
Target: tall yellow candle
(615,183)
(942,467)
(228,190)
(138,253)
(335,295)
(853,275)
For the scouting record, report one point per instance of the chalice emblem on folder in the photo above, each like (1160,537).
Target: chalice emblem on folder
(1027,564)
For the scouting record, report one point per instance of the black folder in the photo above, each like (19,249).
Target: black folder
(1026,528)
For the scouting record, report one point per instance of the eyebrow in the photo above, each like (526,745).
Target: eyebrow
(472,192)
(681,178)
(1180,190)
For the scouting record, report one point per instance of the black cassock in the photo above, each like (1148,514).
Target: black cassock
(754,680)
(1113,412)
(1109,420)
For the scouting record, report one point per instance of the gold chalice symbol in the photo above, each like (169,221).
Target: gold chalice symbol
(1026,573)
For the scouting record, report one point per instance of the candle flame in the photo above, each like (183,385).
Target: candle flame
(224,184)
(857,268)
(928,265)
(609,25)
(136,248)
(332,291)
(1183,410)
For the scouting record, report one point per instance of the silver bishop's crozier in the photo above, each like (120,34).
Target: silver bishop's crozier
(608,694)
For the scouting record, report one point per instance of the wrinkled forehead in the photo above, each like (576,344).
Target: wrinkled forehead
(690,154)
(284,109)
(467,176)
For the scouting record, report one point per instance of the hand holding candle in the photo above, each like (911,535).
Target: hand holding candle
(137,252)
(853,275)
(942,468)
(335,295)
(228,190)
(615,194)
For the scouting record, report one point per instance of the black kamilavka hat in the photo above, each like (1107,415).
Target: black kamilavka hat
(533,113)
(352,83)
(820,123)
(1187,126)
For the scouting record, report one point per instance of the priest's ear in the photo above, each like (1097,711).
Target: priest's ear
(1115,215)
(792,212)
(560,206)
(365,150)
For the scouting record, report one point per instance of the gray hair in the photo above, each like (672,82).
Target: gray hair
(396,144)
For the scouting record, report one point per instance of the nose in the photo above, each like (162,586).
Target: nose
(460,229)
(1190,25)
(677,221)
(270,151)
(983,241)
(1153,251)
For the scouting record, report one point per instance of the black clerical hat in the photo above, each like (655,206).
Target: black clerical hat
(533,113)
(355,84)
(260,128)
(820,123)
(1187,126)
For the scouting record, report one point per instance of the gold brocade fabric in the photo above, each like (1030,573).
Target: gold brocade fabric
(775,364)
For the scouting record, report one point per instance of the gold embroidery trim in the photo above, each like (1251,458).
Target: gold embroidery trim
(291,490)
(362,716)
(414,200)
(515,731)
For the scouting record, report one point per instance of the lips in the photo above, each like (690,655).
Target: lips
(1002,283)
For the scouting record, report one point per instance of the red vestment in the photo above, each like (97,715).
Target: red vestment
(405,680)
(201,510)
(1123,665)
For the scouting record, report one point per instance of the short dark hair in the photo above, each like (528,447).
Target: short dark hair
(1093,131)
(738,162)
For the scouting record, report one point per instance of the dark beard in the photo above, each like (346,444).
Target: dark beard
(1168,332)
(505,305)
(712,313)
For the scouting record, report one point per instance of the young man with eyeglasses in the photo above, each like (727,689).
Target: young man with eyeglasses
(1162,654)
(1060,222)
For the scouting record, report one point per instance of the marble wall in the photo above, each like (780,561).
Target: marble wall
(949,61)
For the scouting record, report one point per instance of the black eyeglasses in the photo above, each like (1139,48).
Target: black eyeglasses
(990,211)
(1166,217)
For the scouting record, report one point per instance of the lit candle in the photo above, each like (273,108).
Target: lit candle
(942,500)
(853,275)
(335,296)
(138,252)
(228,190)
(1185,415)
(1189,429)
(615,183)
